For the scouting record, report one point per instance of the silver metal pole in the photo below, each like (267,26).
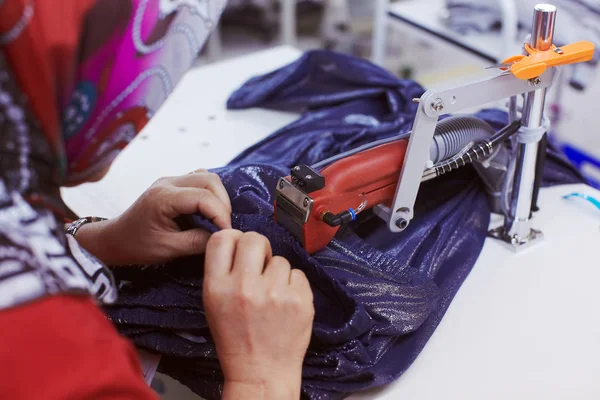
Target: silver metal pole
(379,44)
(287,20)
(518,223)
(544,20)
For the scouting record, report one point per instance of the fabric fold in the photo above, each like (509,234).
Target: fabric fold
(379,296)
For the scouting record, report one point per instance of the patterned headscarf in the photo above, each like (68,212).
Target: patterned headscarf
(78,80)
(95,71)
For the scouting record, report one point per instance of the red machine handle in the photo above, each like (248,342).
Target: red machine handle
(370,175)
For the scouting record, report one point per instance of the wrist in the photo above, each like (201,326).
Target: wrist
(96,238)
(249,378)
(271,389)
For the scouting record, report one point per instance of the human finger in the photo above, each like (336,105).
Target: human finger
(204,180)
(300,283)
(188,200)
(220,254)
(277,271)
(188,243)
(252,254)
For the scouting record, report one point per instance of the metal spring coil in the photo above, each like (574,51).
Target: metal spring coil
(479,150)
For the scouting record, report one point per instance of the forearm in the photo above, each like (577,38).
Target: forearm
(97,239)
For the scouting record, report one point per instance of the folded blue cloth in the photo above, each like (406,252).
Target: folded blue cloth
(378,296)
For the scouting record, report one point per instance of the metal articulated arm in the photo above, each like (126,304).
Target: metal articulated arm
(434,104)
(312,204)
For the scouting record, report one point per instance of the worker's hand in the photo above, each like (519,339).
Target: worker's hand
(147,234)
(260,313)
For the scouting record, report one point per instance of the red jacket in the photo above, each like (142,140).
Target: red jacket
(63,347)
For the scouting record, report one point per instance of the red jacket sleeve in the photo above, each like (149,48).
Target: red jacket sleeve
(63,347)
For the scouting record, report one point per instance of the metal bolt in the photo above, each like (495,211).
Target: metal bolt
(281,183)
(401,223)
(296,168)
(308,177)
(306,201)
(535,81)
(437,105)
(416,100)
(558,50)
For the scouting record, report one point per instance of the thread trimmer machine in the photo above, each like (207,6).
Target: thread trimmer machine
(314,201)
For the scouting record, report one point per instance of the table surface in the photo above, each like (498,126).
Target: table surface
(429,15)
(521,326)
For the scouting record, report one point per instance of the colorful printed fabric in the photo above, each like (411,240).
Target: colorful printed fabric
(78,80)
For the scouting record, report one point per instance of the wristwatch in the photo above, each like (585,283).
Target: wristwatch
(74,226)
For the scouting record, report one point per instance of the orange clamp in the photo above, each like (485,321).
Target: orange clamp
(536,63)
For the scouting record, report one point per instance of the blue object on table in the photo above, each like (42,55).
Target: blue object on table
(379,296)
(584,196)
(580,159)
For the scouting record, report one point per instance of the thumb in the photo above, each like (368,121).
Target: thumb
(190,242)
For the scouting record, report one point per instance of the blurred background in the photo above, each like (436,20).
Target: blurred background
(430,41)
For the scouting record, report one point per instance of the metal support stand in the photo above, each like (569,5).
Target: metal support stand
(380,32)
(517,231)
(287,21)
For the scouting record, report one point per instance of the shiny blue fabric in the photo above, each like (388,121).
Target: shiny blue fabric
(378,296)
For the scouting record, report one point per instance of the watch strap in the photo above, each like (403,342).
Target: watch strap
(74,226)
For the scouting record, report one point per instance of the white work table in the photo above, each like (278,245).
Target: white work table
(523,326)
